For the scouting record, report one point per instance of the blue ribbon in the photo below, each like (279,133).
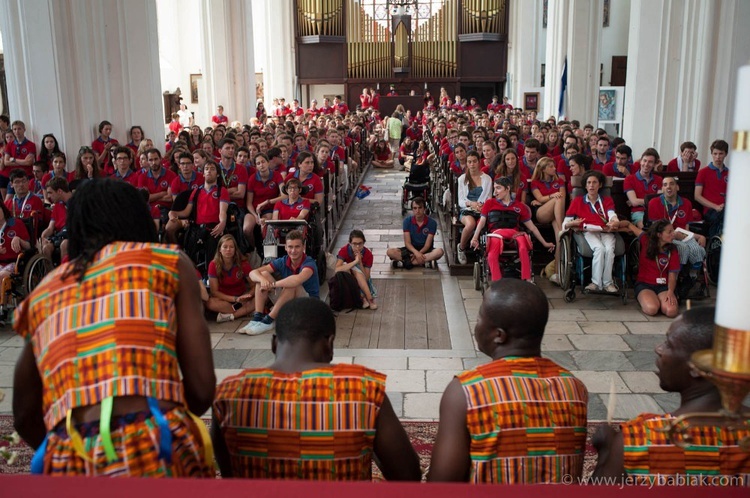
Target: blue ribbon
(165,435)
(37,462)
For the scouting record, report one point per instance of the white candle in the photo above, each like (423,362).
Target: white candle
(733,296)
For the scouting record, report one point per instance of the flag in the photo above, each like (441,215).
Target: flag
(563,88)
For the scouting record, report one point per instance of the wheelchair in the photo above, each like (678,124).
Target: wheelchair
(31,268)
(417,184)
(510,261)
(575,265)
(713,258)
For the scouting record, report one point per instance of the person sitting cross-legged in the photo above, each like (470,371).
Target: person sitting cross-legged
(419,234)
(298,277)
(356,259)
(520,419)
(253,438)
(641,451)
(229,280)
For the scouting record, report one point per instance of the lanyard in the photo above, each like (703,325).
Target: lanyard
(603,214)
(666,207)
(658,266)
(23,205)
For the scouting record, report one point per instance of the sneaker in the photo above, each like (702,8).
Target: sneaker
(224,317)
(256,328)
(611,288)
(373,305)
(555,279)
(461,255)
(408,265)
(394,264)
(592,287)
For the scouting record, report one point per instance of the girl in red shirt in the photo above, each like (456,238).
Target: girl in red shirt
(231,293)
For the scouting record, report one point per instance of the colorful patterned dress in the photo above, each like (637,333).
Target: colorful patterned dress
(113,334)
(713,454)
(318,424)
(527,421)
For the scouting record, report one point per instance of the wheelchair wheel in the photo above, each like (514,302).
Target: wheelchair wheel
(570,296)
(634,255)
(713,257)
(566,263)
(36,269)
(477,276)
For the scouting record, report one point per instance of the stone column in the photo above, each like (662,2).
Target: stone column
(523,49)
(72,64)
(682,58)
(227,35)
(279,76)
(574,33)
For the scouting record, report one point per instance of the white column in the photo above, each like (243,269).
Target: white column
(584,55)
(71,64)
(524,50)
(557,36)
(279,75)
(574,32)
(229,58)
(680,58)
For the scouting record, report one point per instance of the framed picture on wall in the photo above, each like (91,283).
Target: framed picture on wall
(605,18)
(531,101)
(194,87)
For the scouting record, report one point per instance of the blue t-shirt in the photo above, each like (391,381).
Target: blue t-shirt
(283,266)
(419,233)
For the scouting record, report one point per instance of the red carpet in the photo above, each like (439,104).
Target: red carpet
(421,435)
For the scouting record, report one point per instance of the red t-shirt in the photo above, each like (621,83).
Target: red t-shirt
(180,184)
(219,119)
(233,281)
(155,185)
(264,190)
(12,228)
(312,181)
(233,176)
(131,177)
(209,204)
(51,174)
(346,254)
(611,170)
(673,167)
(714,183)
(175,126)
(591,214)
(19,152)
(25,207)
(641,187)
(290,211)
(98,146)
(522,210)
(59,215)
(649,270)
(547,188)
(679,215)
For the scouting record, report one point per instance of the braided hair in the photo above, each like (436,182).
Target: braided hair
(103,211)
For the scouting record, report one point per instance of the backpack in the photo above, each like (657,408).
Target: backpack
(343,292)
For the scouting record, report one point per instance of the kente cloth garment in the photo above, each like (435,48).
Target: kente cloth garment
(650,456)
(318,424)
(526,418)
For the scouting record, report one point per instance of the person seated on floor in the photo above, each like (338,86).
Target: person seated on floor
(679,211)
(357,260)
(229,282)
(640,450)
(502,201)
(382,156)
(250,442)
(595,215)
(658,266)
(474,188)
(419,235)
(495,417)
(298,277)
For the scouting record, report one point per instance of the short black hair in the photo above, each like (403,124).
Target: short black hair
(518,307)
(698,328)
(357,234)
(305,318)
(103,124)
(17,173)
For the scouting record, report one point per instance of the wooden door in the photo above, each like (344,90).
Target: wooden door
(619,70)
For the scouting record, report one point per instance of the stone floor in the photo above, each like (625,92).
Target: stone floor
(606,344)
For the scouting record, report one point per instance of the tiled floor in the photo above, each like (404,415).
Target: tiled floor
(607,344)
